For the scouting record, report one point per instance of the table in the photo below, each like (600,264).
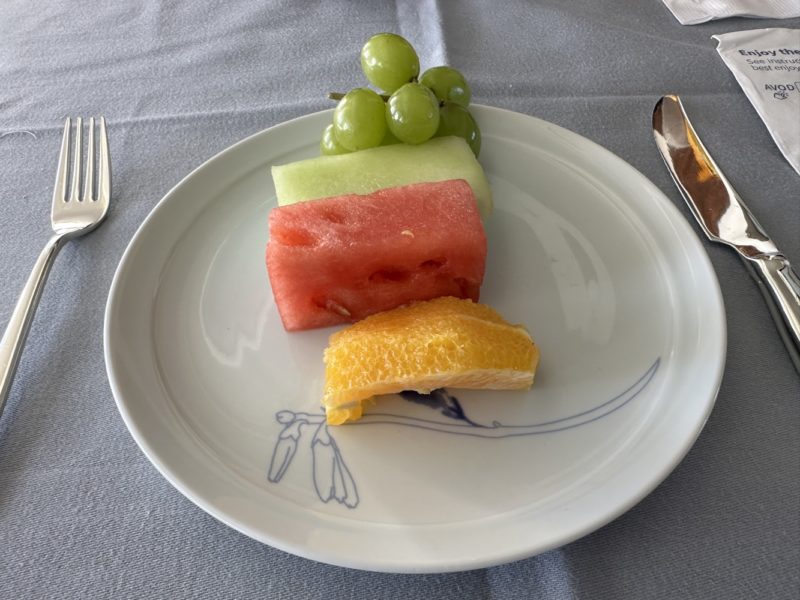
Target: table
(83,514)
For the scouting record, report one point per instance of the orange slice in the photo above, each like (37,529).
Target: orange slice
(446,342)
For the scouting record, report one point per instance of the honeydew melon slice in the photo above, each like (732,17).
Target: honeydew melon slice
(365,171)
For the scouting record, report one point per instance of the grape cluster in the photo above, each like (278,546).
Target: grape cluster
(415,109)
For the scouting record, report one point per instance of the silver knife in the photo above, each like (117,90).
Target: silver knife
(724,217)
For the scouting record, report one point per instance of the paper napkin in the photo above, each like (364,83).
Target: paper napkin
(766,63)
(692,12)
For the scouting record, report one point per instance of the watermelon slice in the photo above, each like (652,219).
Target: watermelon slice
(340,259)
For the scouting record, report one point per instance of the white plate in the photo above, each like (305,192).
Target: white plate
(583,249)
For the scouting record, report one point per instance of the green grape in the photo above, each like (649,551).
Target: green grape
(448,84)
(413,113)
(358,120)
(389,61)
(456,120)
(329,145)
(389,138)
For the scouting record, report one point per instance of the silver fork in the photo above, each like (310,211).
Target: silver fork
(72,215)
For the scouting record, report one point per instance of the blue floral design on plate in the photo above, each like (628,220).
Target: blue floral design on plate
(331,476)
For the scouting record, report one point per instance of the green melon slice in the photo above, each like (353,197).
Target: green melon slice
(365,171)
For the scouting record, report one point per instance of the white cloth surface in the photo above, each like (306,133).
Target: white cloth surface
(692,12)
(83,513)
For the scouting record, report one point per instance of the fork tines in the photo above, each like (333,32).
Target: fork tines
(104,174)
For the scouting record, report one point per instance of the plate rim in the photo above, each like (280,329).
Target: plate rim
(395,566)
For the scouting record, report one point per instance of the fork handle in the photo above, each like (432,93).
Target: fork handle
(20,322)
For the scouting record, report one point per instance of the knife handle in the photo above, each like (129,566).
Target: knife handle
(783,295)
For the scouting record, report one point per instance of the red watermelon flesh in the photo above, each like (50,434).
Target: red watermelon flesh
(338,260)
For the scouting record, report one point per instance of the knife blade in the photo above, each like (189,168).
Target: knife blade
(725,218)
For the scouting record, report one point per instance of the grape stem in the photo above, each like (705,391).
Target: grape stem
(336,96)
(339,95)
